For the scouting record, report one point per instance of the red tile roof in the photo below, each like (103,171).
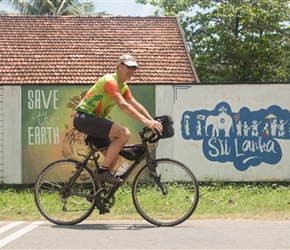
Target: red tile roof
(78,50)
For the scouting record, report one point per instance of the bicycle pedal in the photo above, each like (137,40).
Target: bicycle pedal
(104,211)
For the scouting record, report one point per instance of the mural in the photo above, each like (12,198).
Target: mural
(47,130)
(246,138)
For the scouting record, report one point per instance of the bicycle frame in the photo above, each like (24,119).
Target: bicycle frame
(95,153)
(149,160)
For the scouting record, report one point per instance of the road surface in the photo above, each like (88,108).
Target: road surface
(107,234)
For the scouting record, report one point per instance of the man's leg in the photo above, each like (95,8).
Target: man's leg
(115,161)
(120,137)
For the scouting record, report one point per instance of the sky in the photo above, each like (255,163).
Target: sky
(113,7)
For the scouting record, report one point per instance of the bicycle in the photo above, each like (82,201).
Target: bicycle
(165,192)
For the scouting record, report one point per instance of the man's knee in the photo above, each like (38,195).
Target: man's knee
(118,131)
(125,134)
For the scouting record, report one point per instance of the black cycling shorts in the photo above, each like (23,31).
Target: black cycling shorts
(95,127)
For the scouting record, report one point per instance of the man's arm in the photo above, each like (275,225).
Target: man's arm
(136,111)
(139,107)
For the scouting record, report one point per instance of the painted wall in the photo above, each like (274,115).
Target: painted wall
(47,130)
(236,132)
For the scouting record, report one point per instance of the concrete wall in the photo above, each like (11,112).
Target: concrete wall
(12,155)
(237,132)
(211,135)
(1,137)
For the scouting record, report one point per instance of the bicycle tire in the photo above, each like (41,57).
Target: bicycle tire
(49,186)
(168,209)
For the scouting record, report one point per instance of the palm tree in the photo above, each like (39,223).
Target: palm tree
(52,7)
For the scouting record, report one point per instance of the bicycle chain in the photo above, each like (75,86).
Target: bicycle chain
(102,204)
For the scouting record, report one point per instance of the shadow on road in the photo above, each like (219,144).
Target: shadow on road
(107,226)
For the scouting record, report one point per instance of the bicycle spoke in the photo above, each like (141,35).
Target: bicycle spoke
(175,205)
(55,202)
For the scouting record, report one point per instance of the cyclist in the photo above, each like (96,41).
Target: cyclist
(93,110)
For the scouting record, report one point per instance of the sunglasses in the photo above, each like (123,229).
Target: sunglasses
(130,67)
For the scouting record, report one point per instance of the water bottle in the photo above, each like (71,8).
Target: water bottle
(122,169)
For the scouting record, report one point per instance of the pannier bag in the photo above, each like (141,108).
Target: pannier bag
(167,122)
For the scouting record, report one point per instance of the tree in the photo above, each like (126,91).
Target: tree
(52,7)
(235,40)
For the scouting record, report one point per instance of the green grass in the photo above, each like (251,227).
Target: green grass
(217,201)
(245,201)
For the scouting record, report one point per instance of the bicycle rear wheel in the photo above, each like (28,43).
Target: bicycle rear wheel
(55,201)
(168,209)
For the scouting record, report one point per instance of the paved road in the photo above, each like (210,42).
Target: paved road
(192,234)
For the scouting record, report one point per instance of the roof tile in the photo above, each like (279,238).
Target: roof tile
(61,50)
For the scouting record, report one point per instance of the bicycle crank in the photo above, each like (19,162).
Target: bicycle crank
(101,201)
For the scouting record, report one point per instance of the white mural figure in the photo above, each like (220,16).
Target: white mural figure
(246,129)
(220,122)
(254,126)
(186,124)
(281,131)
(239,128)
(274,126)
(198,130)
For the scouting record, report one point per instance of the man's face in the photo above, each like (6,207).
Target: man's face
(126,72)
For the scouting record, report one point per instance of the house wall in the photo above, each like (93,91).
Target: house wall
(1,137)
(12,153)
(36,128)
(229,132)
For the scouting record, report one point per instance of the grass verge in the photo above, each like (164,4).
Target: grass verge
(217,201)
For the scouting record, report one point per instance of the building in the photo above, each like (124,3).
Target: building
(40,54)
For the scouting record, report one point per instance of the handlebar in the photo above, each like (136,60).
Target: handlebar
(168,130)
(154,137)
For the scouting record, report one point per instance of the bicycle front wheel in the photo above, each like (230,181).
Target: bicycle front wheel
(173,206)
(59,203)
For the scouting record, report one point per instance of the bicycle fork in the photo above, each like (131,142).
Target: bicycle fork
(152,165)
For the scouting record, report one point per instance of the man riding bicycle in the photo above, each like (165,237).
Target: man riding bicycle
(93,110)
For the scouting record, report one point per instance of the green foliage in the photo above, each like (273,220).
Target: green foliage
(235,40)
(170,7)
(52,7)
